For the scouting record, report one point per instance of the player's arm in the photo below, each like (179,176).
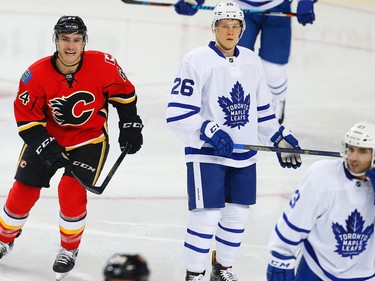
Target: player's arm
(31,122)
(291,229)
(184,114)
(184,106)
(270,132)
(121,94)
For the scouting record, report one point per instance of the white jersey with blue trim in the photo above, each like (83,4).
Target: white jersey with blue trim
(331,218)
(260,5)
(229,91)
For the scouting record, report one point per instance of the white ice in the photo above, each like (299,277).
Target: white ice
(331,87)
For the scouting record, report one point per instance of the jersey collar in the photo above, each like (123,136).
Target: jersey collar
(213,47)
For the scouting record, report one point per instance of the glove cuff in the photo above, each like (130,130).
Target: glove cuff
(129,122)
(279,135)
(209,128)
(281,261)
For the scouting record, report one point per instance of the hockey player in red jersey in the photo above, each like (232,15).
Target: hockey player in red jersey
(61,111)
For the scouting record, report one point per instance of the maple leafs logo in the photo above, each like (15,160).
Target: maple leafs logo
(352,241)
(236,110)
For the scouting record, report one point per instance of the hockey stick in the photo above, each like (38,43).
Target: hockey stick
(158,4)
(99,189)
(287,150)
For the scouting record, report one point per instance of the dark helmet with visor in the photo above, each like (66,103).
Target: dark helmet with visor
(70,25)
(122,266)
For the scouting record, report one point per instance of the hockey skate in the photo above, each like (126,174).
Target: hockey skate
(64,263)
(279,109)
(220,273)
(192,276)
(5,248)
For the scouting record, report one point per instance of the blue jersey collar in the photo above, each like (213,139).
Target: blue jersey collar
(213,47)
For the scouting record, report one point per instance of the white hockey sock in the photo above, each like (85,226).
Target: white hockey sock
(230,231)
(198,239)
(277,80)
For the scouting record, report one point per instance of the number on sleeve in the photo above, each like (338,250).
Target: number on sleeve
(294,199)
(185,87)
(24,97)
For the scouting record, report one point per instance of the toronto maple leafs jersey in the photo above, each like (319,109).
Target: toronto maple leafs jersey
(230,91)
(331,217)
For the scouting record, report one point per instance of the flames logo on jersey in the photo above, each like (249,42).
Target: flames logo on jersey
(74,110)
(352,241)
(236,110)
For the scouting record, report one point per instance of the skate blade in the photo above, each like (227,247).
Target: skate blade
(60,276)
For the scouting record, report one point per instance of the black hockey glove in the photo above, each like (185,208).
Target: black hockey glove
(52,154)
(131,132)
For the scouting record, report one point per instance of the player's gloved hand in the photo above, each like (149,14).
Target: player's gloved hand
(279,274)
(184,7)
(131,132)
(283,138)
(280,267)
(305,11)
(370,174)
(52,154)
(220,140)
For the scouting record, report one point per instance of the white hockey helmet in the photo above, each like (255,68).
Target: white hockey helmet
(228,10)
(361,134)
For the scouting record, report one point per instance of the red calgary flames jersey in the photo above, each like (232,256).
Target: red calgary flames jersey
(73,108)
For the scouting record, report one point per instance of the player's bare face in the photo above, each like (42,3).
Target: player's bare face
(359,159)
(69,48)
(227,34)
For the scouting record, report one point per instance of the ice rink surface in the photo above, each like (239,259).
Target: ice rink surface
(331,87)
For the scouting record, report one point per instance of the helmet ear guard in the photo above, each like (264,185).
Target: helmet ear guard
(362,134)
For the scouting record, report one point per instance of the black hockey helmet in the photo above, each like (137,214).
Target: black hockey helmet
(122,266)
(70,25)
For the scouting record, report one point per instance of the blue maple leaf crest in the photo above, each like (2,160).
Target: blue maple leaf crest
(352,241)
(236,109)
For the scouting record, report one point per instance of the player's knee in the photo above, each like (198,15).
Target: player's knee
(72,197)
(207,217)
(235,215)
(22,198)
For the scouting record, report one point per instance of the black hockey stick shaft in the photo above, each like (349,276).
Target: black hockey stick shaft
(159,4)
(99,189)
(287,150)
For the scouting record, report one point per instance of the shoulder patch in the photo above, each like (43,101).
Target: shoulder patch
(121,73)
(109,59)
(26,76)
